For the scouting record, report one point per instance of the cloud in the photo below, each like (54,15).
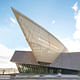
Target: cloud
(6,54)
(6,64)
(53,22)
(71,45)
(13,20)
(75,6)
(76,34)
(24,49)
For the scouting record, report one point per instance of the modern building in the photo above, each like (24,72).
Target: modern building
(48,54)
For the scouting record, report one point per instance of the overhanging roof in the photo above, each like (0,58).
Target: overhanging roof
(66,61)
(23,57)
(71,60)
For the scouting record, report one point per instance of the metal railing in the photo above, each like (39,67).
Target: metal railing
(38,76)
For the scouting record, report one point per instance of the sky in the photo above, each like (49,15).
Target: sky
(59,17)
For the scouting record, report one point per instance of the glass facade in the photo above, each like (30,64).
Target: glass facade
(37,69)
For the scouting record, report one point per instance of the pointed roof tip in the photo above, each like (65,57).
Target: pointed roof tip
(12,8)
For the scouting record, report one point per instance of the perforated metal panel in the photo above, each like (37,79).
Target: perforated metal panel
(44,45)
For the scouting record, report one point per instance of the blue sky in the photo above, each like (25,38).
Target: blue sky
(44,12)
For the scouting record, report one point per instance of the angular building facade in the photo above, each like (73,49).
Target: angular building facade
(65,63)
(46,48)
